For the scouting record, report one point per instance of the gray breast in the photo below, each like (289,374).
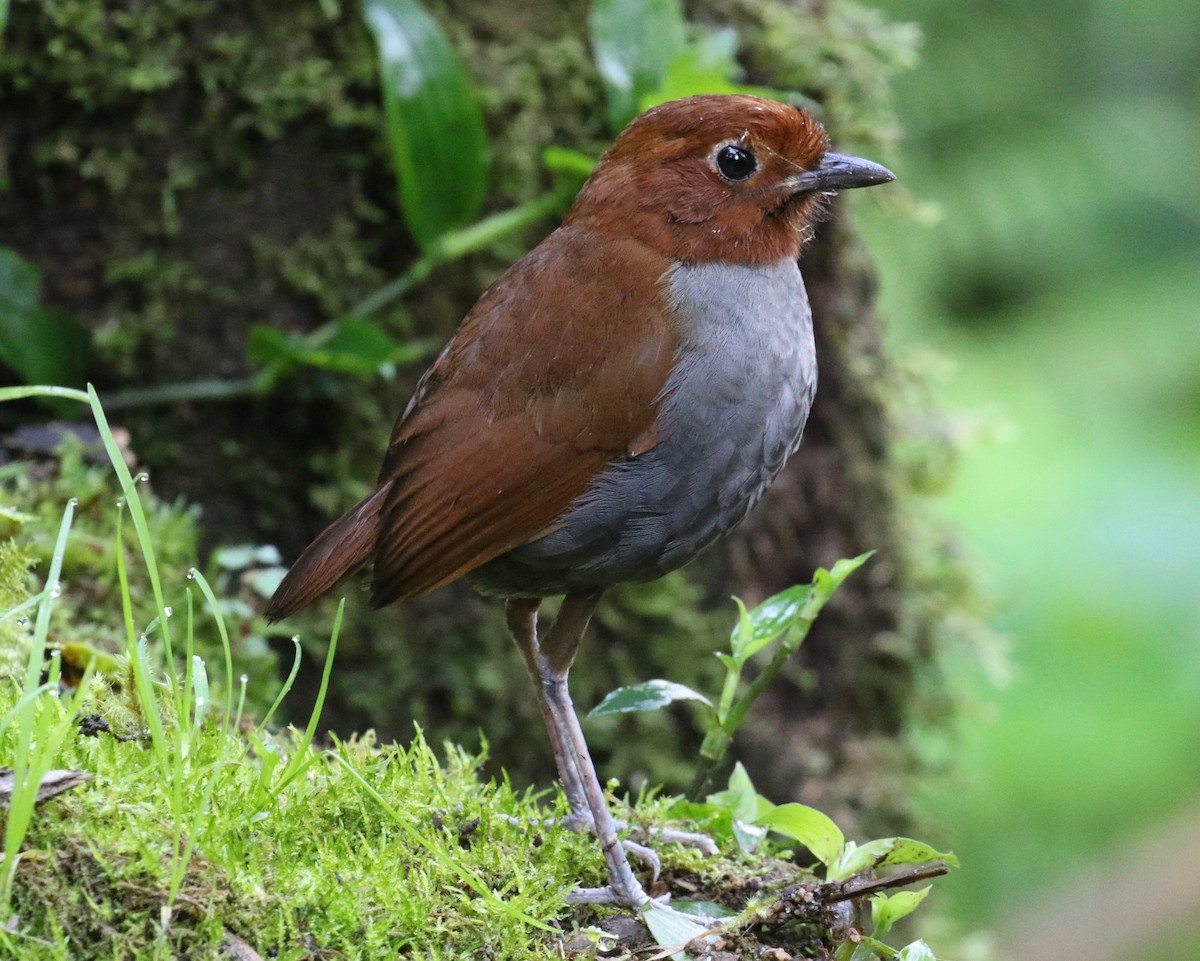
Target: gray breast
(733,412)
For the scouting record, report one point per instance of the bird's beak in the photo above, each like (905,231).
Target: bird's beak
(840,172)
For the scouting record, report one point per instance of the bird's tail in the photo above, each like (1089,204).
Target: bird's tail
(343,547)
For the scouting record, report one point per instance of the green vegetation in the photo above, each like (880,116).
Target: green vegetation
(786,617)
(197,828)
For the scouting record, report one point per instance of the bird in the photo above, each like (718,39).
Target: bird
(615,402)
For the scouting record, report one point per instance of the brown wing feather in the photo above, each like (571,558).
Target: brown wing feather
(555,373)
(340,549)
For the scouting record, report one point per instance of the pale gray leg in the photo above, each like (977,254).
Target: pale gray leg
(550,662)
(521,614)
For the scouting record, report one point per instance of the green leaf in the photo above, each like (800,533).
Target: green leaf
(706,65)
(352,346)
(648,696)
(826,582)
(757,628)
(748,836)
(704,909)
(740,798)
(672,928)
(866,949)
(855,858)
(634,42)
(435,127)
(42,346)
(816,831)
(887,909)
(883,852)
(917,951)
(908,851)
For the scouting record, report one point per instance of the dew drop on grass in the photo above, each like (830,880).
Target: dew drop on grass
(120,503)
(56,590)
(74,502)
(192,572)
(245,678)
(142,478)
(167,612)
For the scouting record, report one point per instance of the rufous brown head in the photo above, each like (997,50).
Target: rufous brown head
(737,179)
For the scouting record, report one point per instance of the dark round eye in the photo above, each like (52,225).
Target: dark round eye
(736,163)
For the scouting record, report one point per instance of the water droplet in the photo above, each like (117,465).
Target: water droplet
(143,639)
(200,702)
(142,478)
(167,612)
(295,638)
(120,503)
(74,502)
(245,678)
(191,574)
(56,590)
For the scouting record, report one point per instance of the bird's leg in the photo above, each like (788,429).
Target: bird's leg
(549,662)
(521,614)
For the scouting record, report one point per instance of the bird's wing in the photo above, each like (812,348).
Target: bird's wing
(556,372)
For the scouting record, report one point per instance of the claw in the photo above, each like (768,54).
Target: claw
(646,855)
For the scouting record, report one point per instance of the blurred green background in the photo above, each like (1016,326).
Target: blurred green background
(1060,277)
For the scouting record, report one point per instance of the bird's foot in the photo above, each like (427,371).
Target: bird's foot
(625,897)
(583,821)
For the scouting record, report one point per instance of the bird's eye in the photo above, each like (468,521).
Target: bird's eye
(736,163)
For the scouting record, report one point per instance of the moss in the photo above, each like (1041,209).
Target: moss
(322,868)
(34,495)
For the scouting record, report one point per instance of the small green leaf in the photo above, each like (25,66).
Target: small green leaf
(855,858)
(816,831)
(887,909)
(865,950)
(740,798)
(757,628)
(908,851)
(435,127)
(706,65)
(883,852)
(917,951)
(703,909)
(352,345)
(42,346)
(647,696)
(748,836)
(826,582)
(673,929)
(634,42)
